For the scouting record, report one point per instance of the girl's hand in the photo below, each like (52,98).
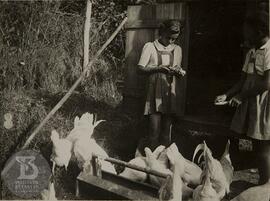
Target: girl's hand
(178,70)
(182,72)
(221,98)
(164,69)
(235,101)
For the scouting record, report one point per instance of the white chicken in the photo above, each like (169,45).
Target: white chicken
(192,172)
(162,167)
(83,127)
(161,155)
(62,150)
(135,175)
(179,190)
(154,164)
(140,161)
(217,176)
(257,193)
(226,164)
(84,145)
(49,194)
(205,191)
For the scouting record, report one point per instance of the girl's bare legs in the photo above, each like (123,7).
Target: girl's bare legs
(154,130)
(262,149)
(165,137)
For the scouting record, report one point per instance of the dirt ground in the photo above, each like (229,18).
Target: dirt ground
(119,136)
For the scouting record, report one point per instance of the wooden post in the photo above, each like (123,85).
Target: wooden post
(96,166)
(77,188)
(164,192)
(132,166)
(87,26)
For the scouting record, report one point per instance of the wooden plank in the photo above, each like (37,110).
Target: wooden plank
(87,25)
(148,24)
(138,12)
(133,12)
(171,7)
(140,29)
(178,14)
(134,83)
(120,186)
(143,24)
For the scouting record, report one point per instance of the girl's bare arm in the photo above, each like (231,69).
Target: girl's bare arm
(152,69)
(237,87)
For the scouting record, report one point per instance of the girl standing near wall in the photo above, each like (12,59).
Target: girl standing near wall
(161,61)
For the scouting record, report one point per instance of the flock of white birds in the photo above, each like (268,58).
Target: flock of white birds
(210,182)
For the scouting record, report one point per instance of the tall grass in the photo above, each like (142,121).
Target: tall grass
(41,48)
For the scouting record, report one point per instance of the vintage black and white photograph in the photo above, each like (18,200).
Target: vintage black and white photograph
(135,100)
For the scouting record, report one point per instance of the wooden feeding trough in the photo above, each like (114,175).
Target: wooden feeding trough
(95,183)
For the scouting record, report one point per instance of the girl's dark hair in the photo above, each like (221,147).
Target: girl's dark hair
(259,21)
(170,26)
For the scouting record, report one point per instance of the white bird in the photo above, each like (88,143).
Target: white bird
(49,194)
(62,150)
(84,145)
(154,164)
(160,154)
(179,190)
(135,175)
(140,161)
(226,164)
(205,191)
(83,127)
(84,149)
(192,172)
(257,193)
(216,173)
